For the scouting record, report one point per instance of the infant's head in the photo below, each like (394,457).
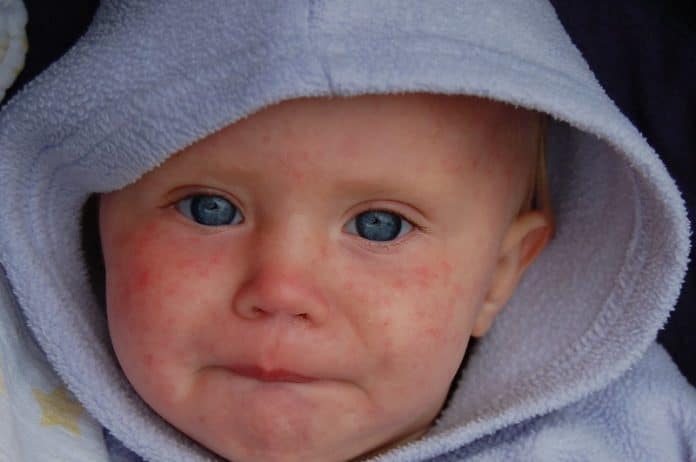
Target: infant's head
(302,284)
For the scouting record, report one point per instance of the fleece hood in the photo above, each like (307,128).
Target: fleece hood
(151,77)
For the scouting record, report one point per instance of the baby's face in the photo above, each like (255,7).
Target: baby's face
(302,285)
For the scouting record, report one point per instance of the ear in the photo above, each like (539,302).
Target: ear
(524,240)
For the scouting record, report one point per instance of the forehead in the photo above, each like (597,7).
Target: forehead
(397,132)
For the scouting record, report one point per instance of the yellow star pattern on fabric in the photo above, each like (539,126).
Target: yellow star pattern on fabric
(58,408)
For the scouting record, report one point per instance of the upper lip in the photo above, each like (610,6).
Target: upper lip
(269,375)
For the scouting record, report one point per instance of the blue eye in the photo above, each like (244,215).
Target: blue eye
(377,225)
(209,210)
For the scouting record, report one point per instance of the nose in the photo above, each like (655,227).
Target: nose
(283,284)
(274,293)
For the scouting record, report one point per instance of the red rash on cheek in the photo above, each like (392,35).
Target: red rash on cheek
(418,300)
(159,277)
(152,273)
(507,173)
(435,299)
(152,361)
(423,277)
(426,276)
(142,280)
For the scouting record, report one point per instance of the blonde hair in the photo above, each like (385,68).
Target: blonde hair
(538,194)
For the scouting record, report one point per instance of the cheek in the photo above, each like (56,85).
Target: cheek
(160,287)
(431,301)
(417,316)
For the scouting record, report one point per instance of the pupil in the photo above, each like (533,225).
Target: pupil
(212,210)
(378,226)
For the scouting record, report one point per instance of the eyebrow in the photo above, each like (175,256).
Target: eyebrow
(223,173)
(379,183)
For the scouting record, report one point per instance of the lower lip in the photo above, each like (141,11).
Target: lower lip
(270,376)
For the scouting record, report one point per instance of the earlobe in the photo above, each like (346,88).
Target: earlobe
(524,240)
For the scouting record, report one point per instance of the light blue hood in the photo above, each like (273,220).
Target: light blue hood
(151,77)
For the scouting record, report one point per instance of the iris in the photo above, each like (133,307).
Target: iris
(376,225)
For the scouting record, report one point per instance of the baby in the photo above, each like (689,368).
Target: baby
(306,212)
(302,285)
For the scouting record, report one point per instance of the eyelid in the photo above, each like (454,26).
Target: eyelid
(408,212)
(173,199)
(185,211)
(401,216)
(386,246)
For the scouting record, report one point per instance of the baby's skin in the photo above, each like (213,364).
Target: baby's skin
(302,285)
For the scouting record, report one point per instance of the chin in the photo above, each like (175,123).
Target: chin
(283,442)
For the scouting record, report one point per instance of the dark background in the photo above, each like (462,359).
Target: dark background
(642,51)
(644,54)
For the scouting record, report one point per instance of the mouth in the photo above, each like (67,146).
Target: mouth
(271,375)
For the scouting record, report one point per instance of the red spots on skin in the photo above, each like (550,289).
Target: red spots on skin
(323,251)
(142,281)
(455,165)
(144,238)
(151,362)
(295,164)
(507,172)
(170,323)
(423,315)
(203,271)
(424,277)
(359,296)
(297,175)
(168,390)
(434,333)
(475,163)
(446,267)
(385,301)
(349,147)
(216,259)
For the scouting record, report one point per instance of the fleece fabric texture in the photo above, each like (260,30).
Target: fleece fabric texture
(568,372)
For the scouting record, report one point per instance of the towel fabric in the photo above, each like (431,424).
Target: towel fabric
(569,371)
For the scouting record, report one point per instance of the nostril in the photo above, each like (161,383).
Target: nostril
(257,312)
